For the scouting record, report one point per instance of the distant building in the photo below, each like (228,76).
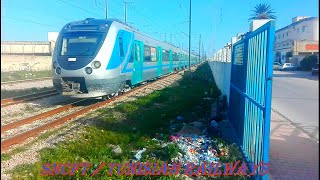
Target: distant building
(52,38)
(295,41)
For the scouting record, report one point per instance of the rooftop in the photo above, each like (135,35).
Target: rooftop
(295,23)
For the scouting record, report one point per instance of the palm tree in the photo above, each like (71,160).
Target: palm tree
(262,11)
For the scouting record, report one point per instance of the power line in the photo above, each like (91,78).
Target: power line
(157,15)
(78,7)
(184,7)
(149,19)
(33,10)
(26,20)
(152,22)
(106,7)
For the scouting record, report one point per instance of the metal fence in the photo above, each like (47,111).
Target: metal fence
(250,92)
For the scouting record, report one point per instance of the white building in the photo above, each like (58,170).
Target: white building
(52,36)
(298,39)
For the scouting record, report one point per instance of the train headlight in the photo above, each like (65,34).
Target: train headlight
(88,70)
(58,70)
(55,64)
(96,64)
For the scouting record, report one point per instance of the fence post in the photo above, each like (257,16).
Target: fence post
(269,73)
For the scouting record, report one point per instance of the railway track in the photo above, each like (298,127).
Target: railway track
(25,98)
(26,80)
(21,137)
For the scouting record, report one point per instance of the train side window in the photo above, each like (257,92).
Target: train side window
(153,54)
(137,50)
(131,57)
(121,46)
(175,57)
(165,55)
(147,53)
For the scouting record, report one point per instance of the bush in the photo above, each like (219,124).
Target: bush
(308,62)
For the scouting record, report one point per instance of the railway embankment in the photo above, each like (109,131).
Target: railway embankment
(172,124)
(19,83)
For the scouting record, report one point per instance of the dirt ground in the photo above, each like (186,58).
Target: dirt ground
(25,62)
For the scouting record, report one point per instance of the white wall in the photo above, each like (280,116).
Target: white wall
(52,36)
(221,72)
(24,47)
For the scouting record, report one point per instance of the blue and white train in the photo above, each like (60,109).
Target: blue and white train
(98,57)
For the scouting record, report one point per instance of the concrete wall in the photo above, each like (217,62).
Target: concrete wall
(255,24)
(27,47)
(25,62)
(221,72)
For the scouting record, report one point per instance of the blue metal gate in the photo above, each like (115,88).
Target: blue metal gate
(250,93)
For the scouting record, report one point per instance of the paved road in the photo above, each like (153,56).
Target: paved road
(295,95)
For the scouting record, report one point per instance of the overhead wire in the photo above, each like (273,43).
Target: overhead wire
(164,27)
(79,7)
(33,10)
(26,20)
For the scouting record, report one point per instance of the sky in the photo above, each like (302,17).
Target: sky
(216,21)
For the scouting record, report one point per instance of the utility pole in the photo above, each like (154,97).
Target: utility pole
(106,9)
(202,49)
(199,46)
(125,10)
(190,36)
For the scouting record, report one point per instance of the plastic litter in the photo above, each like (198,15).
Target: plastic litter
(214,123)
(139,153)
(179,118)
(197,149)
(115,149)
(174,138)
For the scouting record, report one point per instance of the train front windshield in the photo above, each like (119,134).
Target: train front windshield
(79,44)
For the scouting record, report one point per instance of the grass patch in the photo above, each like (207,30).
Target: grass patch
(23,75)
(22,92)
(5,157)
(132,126)
(23,148)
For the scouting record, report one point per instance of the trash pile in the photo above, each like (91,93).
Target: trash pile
(193,139)
(197,149)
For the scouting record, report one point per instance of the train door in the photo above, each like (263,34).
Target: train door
(159,61)
(137,62)
(170,61)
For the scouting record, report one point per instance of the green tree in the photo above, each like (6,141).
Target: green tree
(308,62)
(289,54)
(262,11)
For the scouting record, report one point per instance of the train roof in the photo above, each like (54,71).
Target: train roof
(96,25)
